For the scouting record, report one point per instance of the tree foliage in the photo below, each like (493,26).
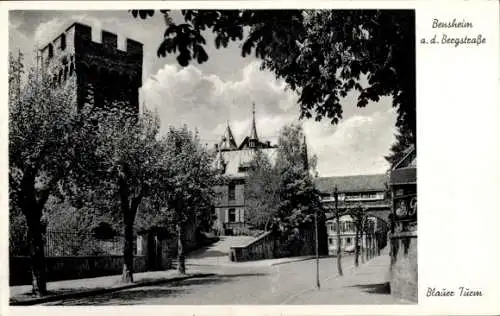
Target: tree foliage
(261,192)
(284,191)
(404,140)
(121,167)
(188,184)
(321,54)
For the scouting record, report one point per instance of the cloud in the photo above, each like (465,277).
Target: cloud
(47,31)
(357,145)
(189,96)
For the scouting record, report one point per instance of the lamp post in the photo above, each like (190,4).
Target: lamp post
(337,216)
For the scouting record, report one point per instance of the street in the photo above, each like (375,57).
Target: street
(290,283)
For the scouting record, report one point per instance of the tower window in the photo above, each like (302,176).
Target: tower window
(65,72)
(71,68)
(51,51)
(63,41)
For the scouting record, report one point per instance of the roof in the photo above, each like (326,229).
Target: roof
(357,183)
(235,158)
(404,176)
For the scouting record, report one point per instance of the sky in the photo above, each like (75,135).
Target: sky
(222,90)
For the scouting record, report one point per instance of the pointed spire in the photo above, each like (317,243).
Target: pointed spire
(228,142)
(253,132)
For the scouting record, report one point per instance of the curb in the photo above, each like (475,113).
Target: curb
(301,259)
(85,293)
(292,261)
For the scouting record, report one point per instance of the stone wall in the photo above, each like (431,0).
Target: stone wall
(404,267)
(67,268)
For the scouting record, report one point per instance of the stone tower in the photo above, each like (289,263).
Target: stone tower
(102,74)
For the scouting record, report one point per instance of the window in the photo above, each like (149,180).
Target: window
(365,196)
(330,241)
(232,192)
(348,241)
(231,215)
(63,41)
(60,77)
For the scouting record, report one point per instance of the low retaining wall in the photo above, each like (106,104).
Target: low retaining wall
(67,268)
(269,246)
(258,249)
(404,267)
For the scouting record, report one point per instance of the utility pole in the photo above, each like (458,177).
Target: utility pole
(317,248)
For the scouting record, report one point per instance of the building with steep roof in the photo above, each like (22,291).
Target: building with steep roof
(233,161)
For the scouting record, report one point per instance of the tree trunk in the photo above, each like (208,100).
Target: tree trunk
(181,262)
(377,244)
(370,246)
(37,254)
(128,252)
(363,246)
(339,251)
(356,247)
(128,212)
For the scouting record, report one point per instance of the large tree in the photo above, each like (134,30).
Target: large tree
(283,192)
(188,181)
(321,54)
(261,192)
(122,167)
(298,195)
(45,133)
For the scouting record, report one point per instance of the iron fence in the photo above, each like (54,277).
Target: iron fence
(73,244)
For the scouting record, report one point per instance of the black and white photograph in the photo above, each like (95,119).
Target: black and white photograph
(214,157)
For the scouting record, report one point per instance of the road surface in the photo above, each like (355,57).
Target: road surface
(290,283)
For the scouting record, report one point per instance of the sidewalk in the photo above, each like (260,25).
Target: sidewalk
(365,285)
(59,290)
